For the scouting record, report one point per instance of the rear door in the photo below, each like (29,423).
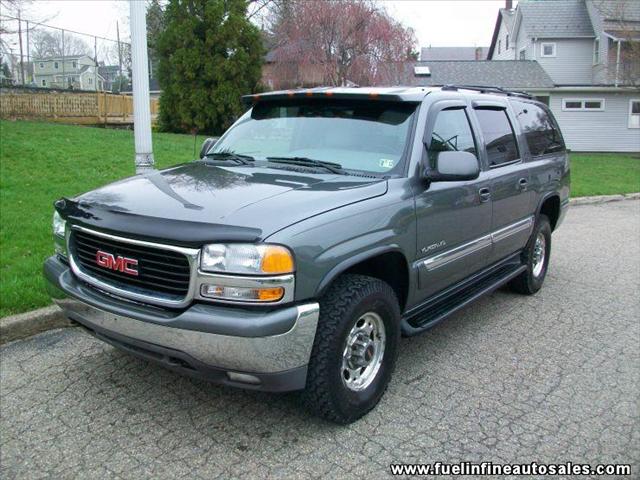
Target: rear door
(547,155)
(510,178)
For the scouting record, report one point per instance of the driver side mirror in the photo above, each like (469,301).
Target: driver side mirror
(453,167)
(206,145)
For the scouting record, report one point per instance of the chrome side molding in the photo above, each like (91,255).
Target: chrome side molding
(512,229)
(480,243)
(457,253)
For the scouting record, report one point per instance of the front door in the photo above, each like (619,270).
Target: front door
(453,218)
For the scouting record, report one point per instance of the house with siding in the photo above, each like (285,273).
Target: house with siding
(77,72)
(586,47)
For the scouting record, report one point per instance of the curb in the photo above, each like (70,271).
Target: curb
(26,324)
(603,199)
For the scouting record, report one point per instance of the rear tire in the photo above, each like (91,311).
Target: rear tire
(355,348)
(536,257)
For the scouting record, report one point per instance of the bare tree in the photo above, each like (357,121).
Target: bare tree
(337,43)
(623,57)
(49,44)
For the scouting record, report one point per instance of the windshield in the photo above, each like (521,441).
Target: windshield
(358,135)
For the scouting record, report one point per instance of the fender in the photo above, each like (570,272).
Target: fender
(354,260)
(546,196)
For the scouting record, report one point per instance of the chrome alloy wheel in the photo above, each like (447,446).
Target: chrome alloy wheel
(363,352)
(539,253)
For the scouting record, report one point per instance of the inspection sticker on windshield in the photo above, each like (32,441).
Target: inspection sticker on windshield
(386,163)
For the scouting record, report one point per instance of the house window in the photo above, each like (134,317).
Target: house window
(548,49)
(74,64)
(523,54)
(506,42)
(596,51)
(90,81)
(499,45)
(583,105)
(55,65)
(44,82)
(41,65)
(634,113)
(499,139)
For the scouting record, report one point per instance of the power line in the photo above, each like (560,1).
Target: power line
(66,30)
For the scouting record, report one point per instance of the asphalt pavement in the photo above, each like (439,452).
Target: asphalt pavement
(549,378)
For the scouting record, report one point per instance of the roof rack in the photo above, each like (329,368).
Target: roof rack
(488,89)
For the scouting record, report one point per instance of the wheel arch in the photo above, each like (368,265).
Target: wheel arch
(376,263)
(549,205)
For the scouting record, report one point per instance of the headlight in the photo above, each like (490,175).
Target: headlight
(58,224)
(239,258)
(59,241)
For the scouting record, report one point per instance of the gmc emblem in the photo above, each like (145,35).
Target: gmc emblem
(120,264)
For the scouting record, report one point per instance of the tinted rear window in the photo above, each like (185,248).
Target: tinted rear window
(499,139)
(539,128)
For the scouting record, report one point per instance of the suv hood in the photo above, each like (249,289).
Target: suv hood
(198,202)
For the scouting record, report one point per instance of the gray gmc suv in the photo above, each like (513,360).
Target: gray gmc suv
(320,228)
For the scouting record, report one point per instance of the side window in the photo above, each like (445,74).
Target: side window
(540,131)
(451,132)
(499,138)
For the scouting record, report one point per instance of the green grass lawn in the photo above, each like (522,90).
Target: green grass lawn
(604,174)
(40,162)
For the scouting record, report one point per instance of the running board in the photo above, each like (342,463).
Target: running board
(445,303)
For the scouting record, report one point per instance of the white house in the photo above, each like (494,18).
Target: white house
(78,72)
(585,48)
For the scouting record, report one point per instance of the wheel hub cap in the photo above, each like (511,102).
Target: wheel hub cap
(539,253)
(363,352)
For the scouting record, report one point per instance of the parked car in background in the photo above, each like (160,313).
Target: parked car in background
(319,229)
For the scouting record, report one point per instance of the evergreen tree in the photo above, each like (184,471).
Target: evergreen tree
(210,55)
(155,26)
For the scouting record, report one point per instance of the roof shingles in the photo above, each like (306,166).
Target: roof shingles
(514,74)
(556,19)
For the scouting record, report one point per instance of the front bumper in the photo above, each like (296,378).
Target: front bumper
(249,348)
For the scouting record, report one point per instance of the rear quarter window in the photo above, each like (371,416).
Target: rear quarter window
(540,130)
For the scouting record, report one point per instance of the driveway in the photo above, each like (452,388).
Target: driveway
(549,378)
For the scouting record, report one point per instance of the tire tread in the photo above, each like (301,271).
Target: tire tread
(341,295)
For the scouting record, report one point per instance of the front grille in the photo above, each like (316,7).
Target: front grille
(163,273)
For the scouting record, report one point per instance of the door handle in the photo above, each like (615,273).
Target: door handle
(522,183)
(485,195)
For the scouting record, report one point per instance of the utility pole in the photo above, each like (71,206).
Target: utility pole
(29,77)
(140,74)
(20,41)
(119,59)
(95,68)
(64,77)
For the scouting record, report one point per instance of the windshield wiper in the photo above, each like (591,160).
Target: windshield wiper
(241,159)
(309,162)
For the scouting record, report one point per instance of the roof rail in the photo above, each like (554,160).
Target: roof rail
(488,89)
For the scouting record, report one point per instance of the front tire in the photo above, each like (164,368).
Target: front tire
(536,256)
(355,348)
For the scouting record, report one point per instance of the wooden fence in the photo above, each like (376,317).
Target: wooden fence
(86,108)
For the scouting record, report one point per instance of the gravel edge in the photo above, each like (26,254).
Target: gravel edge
(603,199)
(16,327)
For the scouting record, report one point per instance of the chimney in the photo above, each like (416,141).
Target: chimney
(479,53)
(508,4)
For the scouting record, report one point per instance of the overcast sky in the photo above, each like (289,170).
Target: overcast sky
(436,23)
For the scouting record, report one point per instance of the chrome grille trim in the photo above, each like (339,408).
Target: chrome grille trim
(192,255)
